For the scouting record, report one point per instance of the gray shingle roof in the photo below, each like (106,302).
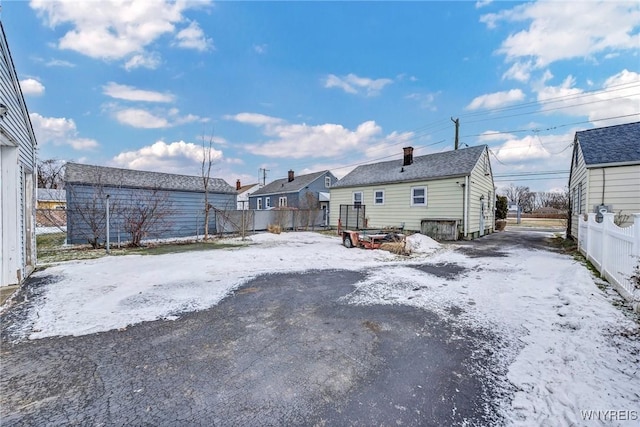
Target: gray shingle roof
(428,167)
(611,144)
(76,173)
(51,195)
(284,186)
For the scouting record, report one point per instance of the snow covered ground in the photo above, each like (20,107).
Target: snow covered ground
(571,350)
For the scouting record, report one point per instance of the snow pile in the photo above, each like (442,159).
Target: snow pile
(419,243)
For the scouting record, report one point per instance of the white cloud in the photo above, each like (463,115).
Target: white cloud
(567,30)
(619,97)
(31,87)
(116,29)
(59,131)
(519,71)
(129,93)
(193,37)
(351,83)
(60,63)
(254,119)
(139,118)
(425,100)
(177,157)
(496,100)
(260,48)
(157,119)
(143,60)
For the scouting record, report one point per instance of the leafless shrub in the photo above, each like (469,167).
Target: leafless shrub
(274,228)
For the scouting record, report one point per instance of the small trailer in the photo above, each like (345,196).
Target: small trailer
(369,239)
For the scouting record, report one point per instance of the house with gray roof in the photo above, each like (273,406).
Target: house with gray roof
(179,198)
(446,195)
(605,173)
(17,175)
(300,192)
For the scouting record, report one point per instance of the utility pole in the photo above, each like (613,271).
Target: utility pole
(263,172)
(457,123)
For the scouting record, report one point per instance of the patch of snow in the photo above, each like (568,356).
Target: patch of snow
(50,230)
(568,348)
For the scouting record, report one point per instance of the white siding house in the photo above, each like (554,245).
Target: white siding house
(17,176)
(605,173)
(451,191)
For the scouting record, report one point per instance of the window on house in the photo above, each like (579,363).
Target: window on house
(267,202)
(258,203)
(282,202)
(327,182)
(418,196)
(577,199)
(378,197)
(357,198)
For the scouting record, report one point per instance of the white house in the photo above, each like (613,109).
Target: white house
(605,173)
(244,191)
(444,195)
(17,176)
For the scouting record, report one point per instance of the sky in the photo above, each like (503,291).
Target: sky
(565,346)
(311,86)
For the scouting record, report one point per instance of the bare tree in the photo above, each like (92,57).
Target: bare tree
(522,196)
(207,164)
(87,212)
(148,213)
(51,174)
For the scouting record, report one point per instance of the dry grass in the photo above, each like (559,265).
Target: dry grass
(274,228)
(537,222)
(398,248)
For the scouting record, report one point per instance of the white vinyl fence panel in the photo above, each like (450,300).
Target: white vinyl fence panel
(614,251)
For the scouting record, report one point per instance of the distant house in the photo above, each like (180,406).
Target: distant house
(17,176)
(243,192)
(444,195)
(50,198)
(51,208)
(605,172)
(180,198)
(301,192)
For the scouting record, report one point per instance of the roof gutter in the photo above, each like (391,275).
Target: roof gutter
(613,164)
(404,181)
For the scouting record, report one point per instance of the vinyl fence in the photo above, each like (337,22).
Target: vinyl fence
(234,221)
(613,250)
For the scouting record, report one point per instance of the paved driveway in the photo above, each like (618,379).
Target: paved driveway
(284,349)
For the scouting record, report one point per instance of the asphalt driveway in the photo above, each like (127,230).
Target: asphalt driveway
(282,350)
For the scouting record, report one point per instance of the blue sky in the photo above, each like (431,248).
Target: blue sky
(310,86)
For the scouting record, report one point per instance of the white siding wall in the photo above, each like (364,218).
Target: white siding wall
(578,189)
(17,201)
(481,186)
(621,189)
(444,200)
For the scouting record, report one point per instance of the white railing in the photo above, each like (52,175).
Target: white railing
(613,250)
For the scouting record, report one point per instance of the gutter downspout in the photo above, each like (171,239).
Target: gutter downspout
(465,206)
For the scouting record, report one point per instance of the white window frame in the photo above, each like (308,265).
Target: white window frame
(413,196)
(356,203)
(267,202)
(327,182)
(282,202)
(259,204)
(375,197)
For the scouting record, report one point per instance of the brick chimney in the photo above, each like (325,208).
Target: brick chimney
(291,175)
(238,185)
(408,156)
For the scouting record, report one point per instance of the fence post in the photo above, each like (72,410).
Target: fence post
(607,222)
(635,251)
(591,218)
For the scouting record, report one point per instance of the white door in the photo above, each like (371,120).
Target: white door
(482,217)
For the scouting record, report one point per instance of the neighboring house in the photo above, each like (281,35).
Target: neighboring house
(17,176)
(605,173)
(49,198)
(300,192)
(51,207)
(444,195)
(243,194)
(179,199)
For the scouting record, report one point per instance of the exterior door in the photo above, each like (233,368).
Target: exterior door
(482,209)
